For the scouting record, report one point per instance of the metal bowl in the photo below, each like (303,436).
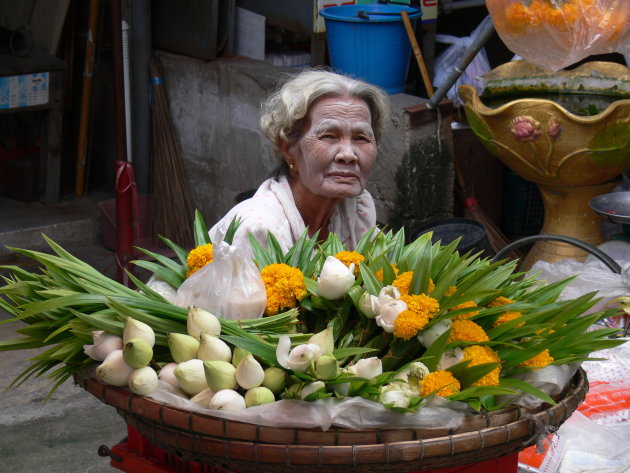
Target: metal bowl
(615,206)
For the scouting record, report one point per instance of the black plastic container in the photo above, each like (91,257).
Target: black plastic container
(473,234)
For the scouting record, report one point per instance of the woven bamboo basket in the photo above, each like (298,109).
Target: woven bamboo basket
(244,447)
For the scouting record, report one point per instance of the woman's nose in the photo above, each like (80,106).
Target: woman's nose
(345,152)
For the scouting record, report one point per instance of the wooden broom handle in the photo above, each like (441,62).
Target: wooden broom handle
(417,53)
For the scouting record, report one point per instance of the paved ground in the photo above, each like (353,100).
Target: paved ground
(61,435)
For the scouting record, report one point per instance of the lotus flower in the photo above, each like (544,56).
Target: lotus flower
(299,358)
(335,279)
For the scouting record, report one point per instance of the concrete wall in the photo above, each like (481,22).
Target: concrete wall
(215,108)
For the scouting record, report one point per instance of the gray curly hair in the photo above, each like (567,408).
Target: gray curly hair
(284,112)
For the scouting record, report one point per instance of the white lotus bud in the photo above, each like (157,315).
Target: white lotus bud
(220,375)
(135,329)
(167,374)
(297,359)
(143,381)
(212,348)
(389,313)
(367,305)
(450,357)
(327,367)
(275,379)
(310,388)
(238,354)
(203,398)
(428,336)
(137,353)
(104,344)
(114,370)
(335,279)
(393,395)
(183,347)
(191,376)
(367,368)
(324,340)
(249,374)
(259,396)
(201,321)
(227,400)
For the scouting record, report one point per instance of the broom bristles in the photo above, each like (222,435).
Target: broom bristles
(173,213)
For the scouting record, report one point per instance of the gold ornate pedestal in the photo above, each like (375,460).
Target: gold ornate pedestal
(571,158)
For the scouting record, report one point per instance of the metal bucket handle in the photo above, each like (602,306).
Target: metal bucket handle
(603,257)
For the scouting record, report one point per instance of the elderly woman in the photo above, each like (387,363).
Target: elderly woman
(324,128)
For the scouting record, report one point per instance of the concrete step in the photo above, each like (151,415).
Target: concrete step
(71,223)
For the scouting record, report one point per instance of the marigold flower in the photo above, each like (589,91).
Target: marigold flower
(465,315)
(421,304)
(379,272)
(198,258)
(467,331)
(409,323)
(541,360)
(500,301)
(350,257)
(506,317)
(403,281)
(284,285)
(479,355)
(450,291)
(441,383)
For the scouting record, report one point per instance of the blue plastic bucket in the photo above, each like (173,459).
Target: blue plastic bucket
(369,42)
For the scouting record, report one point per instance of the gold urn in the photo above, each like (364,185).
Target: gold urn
(570,136)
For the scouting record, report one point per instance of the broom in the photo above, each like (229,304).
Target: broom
(472,211)
(172,204)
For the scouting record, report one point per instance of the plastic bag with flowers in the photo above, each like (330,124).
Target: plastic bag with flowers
(557,33)
(406,334)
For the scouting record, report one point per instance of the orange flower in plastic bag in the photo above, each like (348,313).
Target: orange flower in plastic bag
(557,33)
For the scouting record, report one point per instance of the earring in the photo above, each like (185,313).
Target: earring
(291,167)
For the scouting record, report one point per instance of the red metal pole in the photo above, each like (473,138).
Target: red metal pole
(125,181)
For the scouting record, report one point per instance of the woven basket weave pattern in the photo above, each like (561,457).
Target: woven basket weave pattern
(253,448)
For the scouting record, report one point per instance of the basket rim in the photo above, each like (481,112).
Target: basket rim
(202,437)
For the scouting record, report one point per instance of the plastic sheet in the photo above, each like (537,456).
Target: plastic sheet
(351,413)
(557,33)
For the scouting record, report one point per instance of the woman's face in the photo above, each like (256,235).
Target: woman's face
(336,150)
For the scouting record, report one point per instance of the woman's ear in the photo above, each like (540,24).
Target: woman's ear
(283,146)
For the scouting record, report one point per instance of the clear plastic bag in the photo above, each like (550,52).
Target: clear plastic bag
(447,59)
(557,33)
(230,287)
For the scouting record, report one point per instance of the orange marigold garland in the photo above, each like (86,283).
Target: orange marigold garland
(409,323)
(465,315)
(421,304)
(198,258)
(540,360)
(478,355)
(506,317)
(403,281)
(467,331)
(284,285)
(351,257)
(379,272)
(499,301)
(441,383)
